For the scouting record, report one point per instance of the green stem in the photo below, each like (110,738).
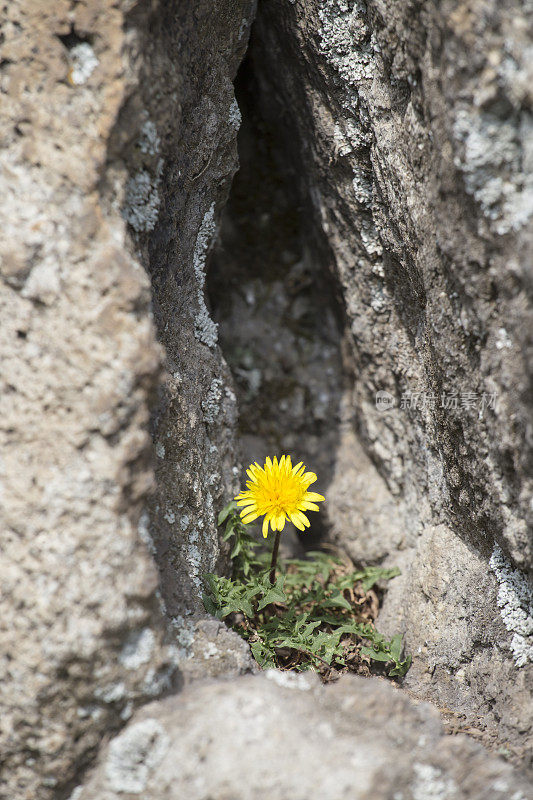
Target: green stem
(274,558)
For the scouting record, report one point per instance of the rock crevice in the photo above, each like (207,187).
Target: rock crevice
(371,290)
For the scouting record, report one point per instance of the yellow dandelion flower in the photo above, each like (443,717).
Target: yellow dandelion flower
(279,491)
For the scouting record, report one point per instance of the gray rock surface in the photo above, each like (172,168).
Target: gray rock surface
(408,132)
(104,114)
(410,127)
(283,735)
(191,52)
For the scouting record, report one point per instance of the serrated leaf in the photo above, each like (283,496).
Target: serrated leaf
(274,595)
(209,605)
(355,628)
(263,656)
(336,600)
(401,668)
(247,608)
(310,627)
(316,615)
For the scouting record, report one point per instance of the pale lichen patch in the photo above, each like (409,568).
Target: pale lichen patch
(149,141)
(184,630)
(134,754)
(430,784)
(206,331)
(142,202)
(194,559)
(144,532)
(84,62)
(211,402)
(515,601)
(169,516)
(491,163)
(138,649)
(112,693)
(290,680)
(234,115)
(142,199)
(344,40)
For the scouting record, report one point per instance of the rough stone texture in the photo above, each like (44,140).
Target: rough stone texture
(95,98)
(410,125)
(452,634)
(191,51)
(283,735)
(211,649)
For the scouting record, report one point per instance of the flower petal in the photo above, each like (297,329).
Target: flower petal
(313,496)
(305,505)
(303,519)
(296,522)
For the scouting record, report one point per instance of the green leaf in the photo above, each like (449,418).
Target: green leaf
(375,574)
(357,628)
(230,529)
(396,647)
(368,577)
(316,618)
(264,656)
(237,547)
(377,655)
(247,608)
(226,511)
(273,595)
(236,604)
(336,600)
(209,605)
(401,668)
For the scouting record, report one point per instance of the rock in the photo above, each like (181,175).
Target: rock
(461,656)
(191,122)
(215,650)
(284,735)
(407,131)
(118,121)
(407,126)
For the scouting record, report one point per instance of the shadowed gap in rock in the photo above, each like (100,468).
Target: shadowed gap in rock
(274,299)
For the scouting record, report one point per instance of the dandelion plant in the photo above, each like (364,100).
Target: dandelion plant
(319,611)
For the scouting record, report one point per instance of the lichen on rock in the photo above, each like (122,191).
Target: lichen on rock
(515,601)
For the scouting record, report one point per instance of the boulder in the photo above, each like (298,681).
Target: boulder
(104,113)
(409,128)
(283,735)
